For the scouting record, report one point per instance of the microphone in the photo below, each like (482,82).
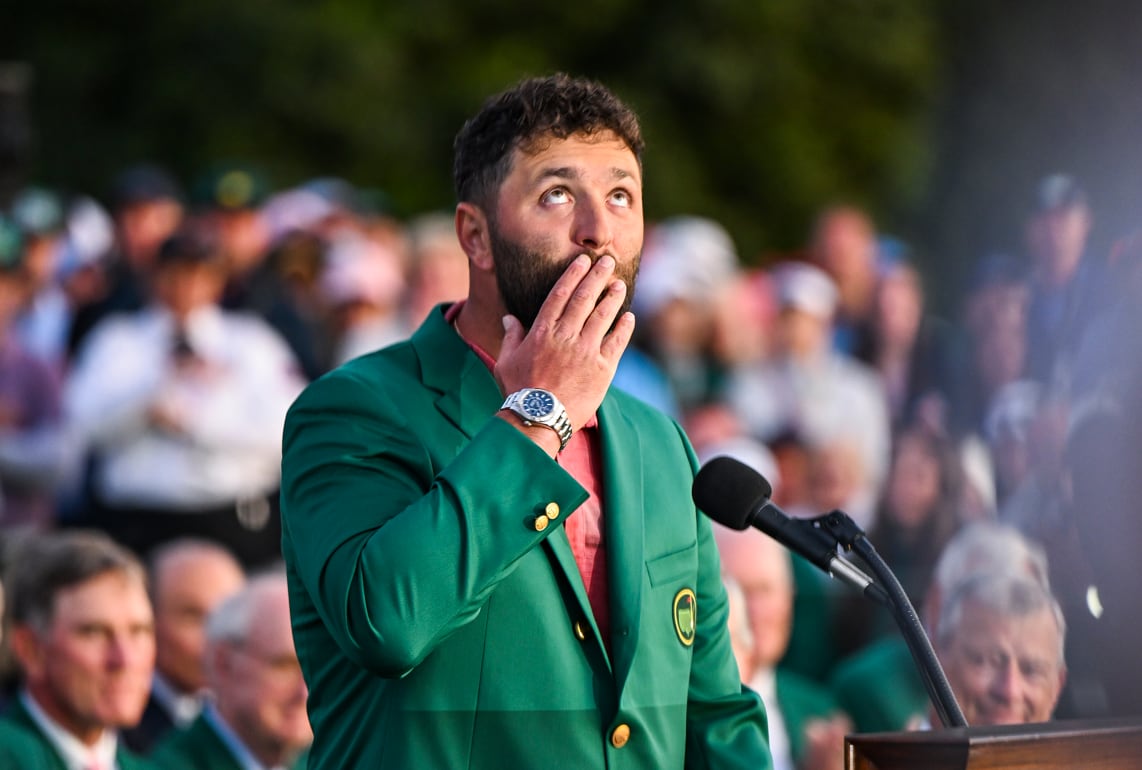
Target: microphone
(736,496)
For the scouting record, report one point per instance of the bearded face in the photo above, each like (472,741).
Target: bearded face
(525,276)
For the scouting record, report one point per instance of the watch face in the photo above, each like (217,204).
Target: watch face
(537,404)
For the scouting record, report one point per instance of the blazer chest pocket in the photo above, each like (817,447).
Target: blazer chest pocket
(669,569)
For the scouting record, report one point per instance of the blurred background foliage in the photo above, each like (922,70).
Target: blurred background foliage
(937,115)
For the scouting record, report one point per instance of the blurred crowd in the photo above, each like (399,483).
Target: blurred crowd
(153,337)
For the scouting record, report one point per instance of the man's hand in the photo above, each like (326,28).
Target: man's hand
(571,348)
(165,415)
(825,743)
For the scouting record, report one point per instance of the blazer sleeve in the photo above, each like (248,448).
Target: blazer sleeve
(397,541)
(726,725)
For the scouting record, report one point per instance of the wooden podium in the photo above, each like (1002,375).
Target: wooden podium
(1109,744)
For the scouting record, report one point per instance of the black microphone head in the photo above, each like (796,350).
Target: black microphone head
(729,491)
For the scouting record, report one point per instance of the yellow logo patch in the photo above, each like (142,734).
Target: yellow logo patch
(685,616)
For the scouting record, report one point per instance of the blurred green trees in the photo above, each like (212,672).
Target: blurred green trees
(937,115)
(755,112)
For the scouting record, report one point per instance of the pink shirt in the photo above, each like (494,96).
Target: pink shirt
(583,460)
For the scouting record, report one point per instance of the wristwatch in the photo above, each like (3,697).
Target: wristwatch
(541,407)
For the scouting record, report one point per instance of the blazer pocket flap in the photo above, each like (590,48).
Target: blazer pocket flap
(672,566)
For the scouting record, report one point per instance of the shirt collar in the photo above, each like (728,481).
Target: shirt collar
(203,326)
(764,683)
(450,315)
(183,708)
(76,755)
(233,743)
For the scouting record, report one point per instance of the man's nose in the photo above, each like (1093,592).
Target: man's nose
(118,652)
(1007,683)
(124,650)
(592,225)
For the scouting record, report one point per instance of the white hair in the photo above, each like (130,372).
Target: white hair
(747,450)
(232,620)
(986,546)
(1011,594)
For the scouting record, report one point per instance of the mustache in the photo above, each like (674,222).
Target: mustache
(625,273)
(593,255)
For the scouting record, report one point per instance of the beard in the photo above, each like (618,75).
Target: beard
(525,277)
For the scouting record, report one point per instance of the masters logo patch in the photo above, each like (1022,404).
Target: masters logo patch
(685,616)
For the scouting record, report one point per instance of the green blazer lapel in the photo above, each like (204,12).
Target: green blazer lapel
(203,738)
(128,761)
(468,393)
(19,715)
(563,558)
(624,522)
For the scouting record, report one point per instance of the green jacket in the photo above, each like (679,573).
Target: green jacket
(880,687)
(439,627)
(812,649)
(23,746)
(801,699)
(198,747)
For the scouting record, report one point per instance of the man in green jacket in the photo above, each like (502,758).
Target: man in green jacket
(83,634)
(806,725)
(256,716)
(488,582)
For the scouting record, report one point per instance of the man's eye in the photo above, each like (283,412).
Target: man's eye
(91,632)
(556,196)
(974,657)
(621,198)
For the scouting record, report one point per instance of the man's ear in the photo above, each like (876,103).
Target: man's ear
(473,234)
(29,650)
(1061,684)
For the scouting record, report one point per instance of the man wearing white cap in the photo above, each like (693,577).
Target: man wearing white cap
(688,264)
(808,387)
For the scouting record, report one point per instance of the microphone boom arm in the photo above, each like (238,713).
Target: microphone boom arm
(736,496)
(817,540)
(851,537)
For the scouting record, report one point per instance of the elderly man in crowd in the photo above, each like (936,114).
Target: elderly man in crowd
(1000,642)
(189,578)
(83,634)
(806,726)
(879,686)
(257,718)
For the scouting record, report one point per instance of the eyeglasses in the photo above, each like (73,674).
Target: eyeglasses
(282,667)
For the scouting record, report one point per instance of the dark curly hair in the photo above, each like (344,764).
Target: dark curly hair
(526,115)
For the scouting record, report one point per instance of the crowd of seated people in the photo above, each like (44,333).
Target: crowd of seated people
(153,337)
